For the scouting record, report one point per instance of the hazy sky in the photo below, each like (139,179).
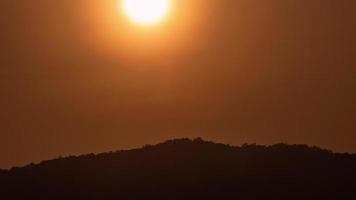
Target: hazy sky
(77,77)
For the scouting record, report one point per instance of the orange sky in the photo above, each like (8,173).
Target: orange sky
(76,76)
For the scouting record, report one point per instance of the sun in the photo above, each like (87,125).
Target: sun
(147,12)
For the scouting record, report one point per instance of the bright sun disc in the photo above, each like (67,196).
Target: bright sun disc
(146,11)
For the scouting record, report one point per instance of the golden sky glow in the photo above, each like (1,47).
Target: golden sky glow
(92,75)
(146,12)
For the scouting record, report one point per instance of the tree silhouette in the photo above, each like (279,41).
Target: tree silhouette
(189,169)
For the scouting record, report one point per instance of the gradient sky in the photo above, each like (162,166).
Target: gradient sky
(77,77)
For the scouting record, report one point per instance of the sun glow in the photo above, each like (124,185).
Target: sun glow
(147,12)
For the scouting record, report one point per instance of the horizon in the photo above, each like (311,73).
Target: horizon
(188,169)
(192,140)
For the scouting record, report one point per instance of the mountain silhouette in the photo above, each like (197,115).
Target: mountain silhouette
(189,169)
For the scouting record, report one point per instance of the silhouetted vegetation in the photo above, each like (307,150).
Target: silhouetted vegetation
(189,169)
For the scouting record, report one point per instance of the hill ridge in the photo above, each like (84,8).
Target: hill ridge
(189,141)
(189,169)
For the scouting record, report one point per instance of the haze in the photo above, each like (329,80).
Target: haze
(76,76)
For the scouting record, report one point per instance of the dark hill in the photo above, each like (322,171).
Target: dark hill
(186,169)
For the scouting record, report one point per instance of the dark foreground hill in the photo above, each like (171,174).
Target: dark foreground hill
(186,169)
